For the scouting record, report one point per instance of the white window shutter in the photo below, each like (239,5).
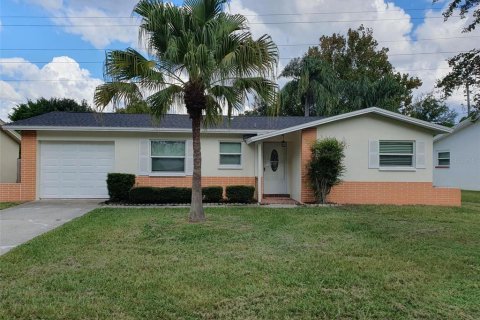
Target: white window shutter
(144,158)
(189,157)
(420,156)
(373,154)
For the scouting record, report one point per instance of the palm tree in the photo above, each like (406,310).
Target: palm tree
(198,56)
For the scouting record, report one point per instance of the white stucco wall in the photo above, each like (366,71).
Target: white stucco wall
(356,133)
(127,149)
(464,148)
(294,165)
(9,152)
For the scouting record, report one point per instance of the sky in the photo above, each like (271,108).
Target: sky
(56,48)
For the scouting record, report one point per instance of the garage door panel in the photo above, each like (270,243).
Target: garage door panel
(75,170)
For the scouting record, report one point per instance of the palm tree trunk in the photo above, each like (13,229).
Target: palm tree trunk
(196,209)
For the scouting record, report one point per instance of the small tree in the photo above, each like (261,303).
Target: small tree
(326,166)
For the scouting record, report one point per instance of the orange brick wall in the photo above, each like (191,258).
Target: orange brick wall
(26,189)
(145,181)
(309,136)
(396,193)
(10,192)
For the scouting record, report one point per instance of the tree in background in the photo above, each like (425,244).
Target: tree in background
(465,66)
(464,7)
(136,107)
(201,57)
(313,90)
(344,74)
(42,105)
(431,109)
(326,166)
(465,74)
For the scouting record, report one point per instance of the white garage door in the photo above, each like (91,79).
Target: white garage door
(75,170)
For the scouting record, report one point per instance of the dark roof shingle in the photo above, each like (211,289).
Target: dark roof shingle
(169,121)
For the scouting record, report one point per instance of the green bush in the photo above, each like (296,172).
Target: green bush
(160,195)
(240,194)
(212,194)
(326,166)
(119,185)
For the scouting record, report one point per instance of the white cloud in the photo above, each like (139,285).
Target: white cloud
(65,79)
(99,22)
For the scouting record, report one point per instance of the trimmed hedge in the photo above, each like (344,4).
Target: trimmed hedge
(212,194)
(240,194)
(119,185)
(160,195)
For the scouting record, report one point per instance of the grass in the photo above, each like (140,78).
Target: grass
(362,262)
(470,196)
(5,205)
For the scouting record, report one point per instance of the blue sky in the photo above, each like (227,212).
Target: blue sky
(77,52)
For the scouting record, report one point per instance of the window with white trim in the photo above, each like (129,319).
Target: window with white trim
(443,158)
(397,153)
(167,156)
(230,154)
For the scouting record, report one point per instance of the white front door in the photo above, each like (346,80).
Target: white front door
(75,169)
(274,168)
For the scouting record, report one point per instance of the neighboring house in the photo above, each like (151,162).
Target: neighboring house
(9,153)
(388,155)
(457,157)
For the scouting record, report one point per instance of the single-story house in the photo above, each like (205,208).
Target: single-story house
(9,155)
(388,155)
(457,157)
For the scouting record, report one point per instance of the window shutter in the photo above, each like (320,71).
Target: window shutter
(420,157)
(189,157)
(144,158)
(373,154)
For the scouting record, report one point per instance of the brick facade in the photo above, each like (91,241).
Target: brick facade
(395,193)
(26,189)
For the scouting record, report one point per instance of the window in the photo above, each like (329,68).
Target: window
(230,154)
(168,156)
(396,153)
(443,159)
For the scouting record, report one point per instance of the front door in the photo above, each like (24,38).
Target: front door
(274,168)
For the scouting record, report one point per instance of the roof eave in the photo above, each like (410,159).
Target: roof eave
(10,132)
(132,129)
(424,124)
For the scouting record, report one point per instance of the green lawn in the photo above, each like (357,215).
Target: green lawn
(470,196)
(5,205)
(346,262)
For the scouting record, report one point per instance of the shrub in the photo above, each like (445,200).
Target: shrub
(160,195)
(212,194)
(326,166)
(240,194)
(119,185)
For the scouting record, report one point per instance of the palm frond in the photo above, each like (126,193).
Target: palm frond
(162,101)
(116,93)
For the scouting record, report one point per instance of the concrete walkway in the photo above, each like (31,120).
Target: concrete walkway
(26,221)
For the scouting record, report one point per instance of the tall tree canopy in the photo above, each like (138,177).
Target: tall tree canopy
(465,74)
(42,105)
(201,57)
(464,7)
(342,74)
(431,109)
(465,66)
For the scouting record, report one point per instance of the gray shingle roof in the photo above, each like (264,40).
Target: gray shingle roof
(169,121)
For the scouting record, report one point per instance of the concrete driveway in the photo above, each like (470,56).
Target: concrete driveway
(26,221)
